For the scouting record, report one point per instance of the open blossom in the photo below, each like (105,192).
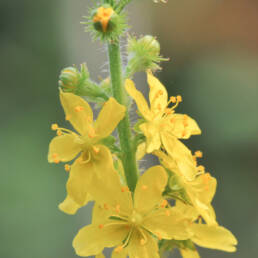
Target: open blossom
(162,125)
(204,235)
(200,189)
(131,225)
(94,156)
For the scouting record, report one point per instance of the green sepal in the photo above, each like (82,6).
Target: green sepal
(169,245)
(110,143)
(174,189)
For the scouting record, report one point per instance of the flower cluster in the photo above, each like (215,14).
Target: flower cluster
(140,215)
(135,222)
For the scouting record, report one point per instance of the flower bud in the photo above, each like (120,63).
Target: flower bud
(71,78)
(105,23)
(144,54)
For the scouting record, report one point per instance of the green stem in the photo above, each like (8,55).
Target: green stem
(124,130)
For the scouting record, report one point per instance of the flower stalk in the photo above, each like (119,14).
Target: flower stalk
(124,131)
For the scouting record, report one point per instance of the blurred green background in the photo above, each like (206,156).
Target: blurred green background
(213,47)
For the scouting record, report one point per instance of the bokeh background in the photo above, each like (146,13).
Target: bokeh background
(213,46)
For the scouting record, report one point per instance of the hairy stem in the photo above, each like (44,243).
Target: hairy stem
(124,131)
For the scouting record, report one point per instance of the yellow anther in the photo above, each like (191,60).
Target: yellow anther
(117,208)
(185,123)
(201,168)
(198,154)
(118,249)
(173,99)
(125,189)
(59,132)
(54,127)
(168,213)
(54,155)
(95,149)
(106,206)
(67,117)
(179,98)
(67,167)
(184,133)
(144,187)
(159,236)
(92,133)
(78,109)
(185,117)
(159,107)
(164,203)
(56,161)
(168,111)
(142,241)
(101,226)
(172,120)
(160,92)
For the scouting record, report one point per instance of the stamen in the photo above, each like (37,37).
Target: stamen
(54,127)
(54,155)
(92,133)
(179,98)
(172,120)
(78,109)
(101,226)
(118,249)
(67,117)
(168,213)
(144,187)
(173,99)
(67,167)
(125,189)
(57,161)
(95,149)
(117,208)
(59,132)
(159,236)
(164,203)
(142,241)
(184,133)
(198,154)
(106,206)
(201,168)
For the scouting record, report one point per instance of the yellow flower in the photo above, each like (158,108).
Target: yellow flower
(204,235)
(94,157)
(161,124)
(200,189)
(132,225)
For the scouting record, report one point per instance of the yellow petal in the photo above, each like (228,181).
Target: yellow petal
(141,151)
(180,154)
(63,148)
(152,135)
(142,248)
(100,213)
(167,224)
(77,111)
(104,184)
(158,94)
(188,253)
(80,175)
(139,99)
(92,239)
(215,237)
(182,126)
(149,188)
(187,211)
(69,206)
(108,118)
